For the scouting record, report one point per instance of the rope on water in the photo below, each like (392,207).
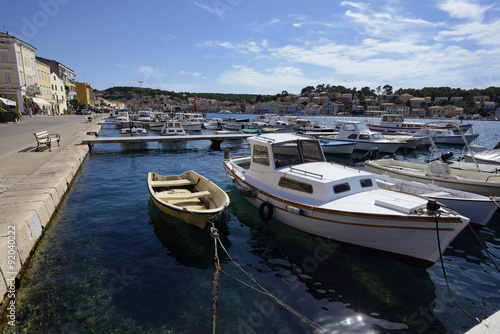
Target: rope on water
(214,233)
(258,287)
(435,210)
(484,246)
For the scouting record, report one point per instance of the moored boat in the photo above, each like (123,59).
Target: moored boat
(365,139)
(189,197)
(288,179)
(172,128)
(391,123)
(478,208)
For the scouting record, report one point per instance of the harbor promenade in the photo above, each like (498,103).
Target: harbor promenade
(33,185)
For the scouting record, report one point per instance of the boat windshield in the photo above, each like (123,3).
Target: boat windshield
(297,152)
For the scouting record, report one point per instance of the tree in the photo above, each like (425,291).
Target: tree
(307,90)
(387,89)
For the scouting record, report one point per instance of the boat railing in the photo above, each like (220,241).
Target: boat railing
(427,130)
(494,175)
(306,172)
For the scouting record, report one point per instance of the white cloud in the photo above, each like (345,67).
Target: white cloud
(242,48)
(359,5)
(267,80)
(464,9)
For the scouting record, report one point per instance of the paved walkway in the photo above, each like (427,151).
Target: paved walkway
(33,184)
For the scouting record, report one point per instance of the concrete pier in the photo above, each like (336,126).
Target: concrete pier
(33,185)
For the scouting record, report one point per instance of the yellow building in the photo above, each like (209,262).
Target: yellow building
(19,74)
(44,99)
(84,92)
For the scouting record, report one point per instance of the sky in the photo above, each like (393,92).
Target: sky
(264,47)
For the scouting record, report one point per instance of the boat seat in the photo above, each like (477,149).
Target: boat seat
(173,183)
(183,196)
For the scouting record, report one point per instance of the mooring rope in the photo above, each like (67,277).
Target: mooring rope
(433,206)
(483,246)
(259,287)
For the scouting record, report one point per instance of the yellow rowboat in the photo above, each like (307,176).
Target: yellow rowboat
(189,197)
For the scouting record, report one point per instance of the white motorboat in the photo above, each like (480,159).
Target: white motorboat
(122,118)
(365,139)
(172,127)
(484,155)
(190,121)
(444,136)
(288,179)
(392,123)
(440,173)
(478,208)
(213,124)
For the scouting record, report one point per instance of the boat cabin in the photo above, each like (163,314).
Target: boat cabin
(357,131)
(297,165)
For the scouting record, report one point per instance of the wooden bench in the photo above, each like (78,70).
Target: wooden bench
(184,196)
(172,183)
(44,138)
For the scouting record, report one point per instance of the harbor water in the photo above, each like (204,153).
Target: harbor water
(111,263)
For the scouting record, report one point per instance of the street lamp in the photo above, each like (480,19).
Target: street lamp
(140,82)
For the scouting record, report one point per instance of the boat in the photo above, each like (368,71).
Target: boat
(288,179)
(364,138)
(156,126)
(190,121)
(133,129)
(172,127)
(189,197)
(337,147)
(392,123)
(483,155)
(213,124)
(411,141)
(478,208)
(122,117)
(444,136)
(306,126)
(440,173)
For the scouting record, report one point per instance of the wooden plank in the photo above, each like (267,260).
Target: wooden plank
(172,183)
(198,194)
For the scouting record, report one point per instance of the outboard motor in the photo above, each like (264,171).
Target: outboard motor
(446,156)
(372,154)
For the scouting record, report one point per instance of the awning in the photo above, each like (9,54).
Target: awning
(40,101)
(8,102)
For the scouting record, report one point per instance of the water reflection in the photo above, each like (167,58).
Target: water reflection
(187,244)
(344,282)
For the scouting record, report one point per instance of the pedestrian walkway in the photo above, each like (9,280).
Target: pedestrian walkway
(33,184)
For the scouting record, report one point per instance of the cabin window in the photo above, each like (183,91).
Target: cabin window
(295,185)
(342,187)
(349,127)
(364,137)
(311,151)
(286,154)
(260,155)
(365,183)
(353,136)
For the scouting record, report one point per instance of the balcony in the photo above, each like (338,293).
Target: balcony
(33,89)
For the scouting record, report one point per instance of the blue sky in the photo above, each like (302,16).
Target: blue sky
(265,47)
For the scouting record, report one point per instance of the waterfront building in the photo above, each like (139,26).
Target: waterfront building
(332,108)
(64,73)
(417,102)
(18,77)
(419,112)
(450,110)
(44,99)
(84,92)
(405,98)
(436,111)
(58,94)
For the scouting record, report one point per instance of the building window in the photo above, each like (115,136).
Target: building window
(4,55)
(7,78)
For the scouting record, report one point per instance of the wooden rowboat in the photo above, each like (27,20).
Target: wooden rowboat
(189,197)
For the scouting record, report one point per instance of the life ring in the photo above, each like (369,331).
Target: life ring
(266,216)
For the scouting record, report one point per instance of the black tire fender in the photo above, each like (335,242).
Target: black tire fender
(266,214)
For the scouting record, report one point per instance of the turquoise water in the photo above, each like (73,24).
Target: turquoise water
(110,263)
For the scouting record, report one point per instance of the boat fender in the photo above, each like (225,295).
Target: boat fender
(247,192)
(266,211)
(230,178)
(294,210)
